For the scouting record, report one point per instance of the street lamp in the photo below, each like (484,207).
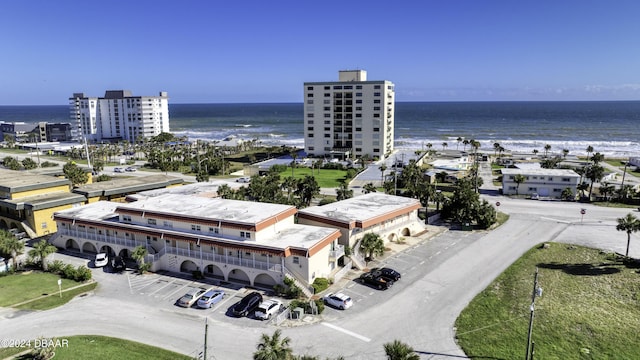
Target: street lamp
(537,291)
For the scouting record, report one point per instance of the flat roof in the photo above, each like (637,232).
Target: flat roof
(294,235)
(45,201)
(539,171)
(207,189)
(361,208)
(127,185)
(244,212)
(12,181)
(99,210)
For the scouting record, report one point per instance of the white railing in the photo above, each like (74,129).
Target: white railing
(299,282)
(111,239)
(342,272)
(337,253)
(217,258)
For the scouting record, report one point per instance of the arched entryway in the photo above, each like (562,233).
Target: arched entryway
(264,280)
(88,248)
(71,245)
(188,266)
(214,272)
(239,276)
(406,232)
(125,254)
(3,224)
(108,250)
(392,237)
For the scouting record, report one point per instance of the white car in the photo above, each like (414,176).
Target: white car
(102,259)
(338,300)
(245,180)
(268,308)
(118,170)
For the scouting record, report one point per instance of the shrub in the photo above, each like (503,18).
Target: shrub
(103,177)
(306,306)
(48,164)
(68,272)
(55,267)
(82,274)
(320,285)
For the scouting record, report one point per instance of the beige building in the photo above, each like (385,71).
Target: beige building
(231,240)
(391,217)
(350,117)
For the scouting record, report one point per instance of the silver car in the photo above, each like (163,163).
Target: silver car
(338,300)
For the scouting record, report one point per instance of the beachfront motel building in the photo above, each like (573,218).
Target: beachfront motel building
(350,117)
(239,241)
(119,116)
(539,182)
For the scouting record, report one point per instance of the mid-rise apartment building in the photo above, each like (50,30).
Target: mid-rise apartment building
(119,115)
(350,117)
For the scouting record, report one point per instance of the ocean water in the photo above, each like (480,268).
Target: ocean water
(611,127)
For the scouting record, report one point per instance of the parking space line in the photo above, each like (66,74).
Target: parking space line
(345,331)
(171,294)
(162,287)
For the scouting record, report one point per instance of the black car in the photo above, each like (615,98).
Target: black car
(376,281)
(247,305)
(118,264)
(387,273)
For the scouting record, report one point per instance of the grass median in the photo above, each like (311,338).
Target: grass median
(98,348)
(38,291)
(589,308)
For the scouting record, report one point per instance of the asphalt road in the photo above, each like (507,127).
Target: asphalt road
(440,277)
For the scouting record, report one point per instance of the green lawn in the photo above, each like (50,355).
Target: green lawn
(20,287)
(589,309)
(101,347)
(326,178)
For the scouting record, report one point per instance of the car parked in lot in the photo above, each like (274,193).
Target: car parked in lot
(102,259)
(209,298)
(387,273)
(247,305)
(118,170)
(130,169)
(338,300)
(190,298)
(269,308)
(118,264)
(376,281)
(245,180)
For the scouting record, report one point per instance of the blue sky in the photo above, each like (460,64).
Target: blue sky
(263,51)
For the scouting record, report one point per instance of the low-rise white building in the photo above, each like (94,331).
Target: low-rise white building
(391,217)
(543,182)
(231,240)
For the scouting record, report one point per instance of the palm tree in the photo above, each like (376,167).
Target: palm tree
(398,350)
(594,173)
(565,152)
(273,347)
(606,189)
(629,224)
(519,179)
(465,142)
(547,147)
(496,146)
(535,152)
(372,244)
(589,151)
(40,251)
(10,245)
(383,168)
(369,188)
(138,253)
(444,145)
(343,192)
(597,158)
(459,140)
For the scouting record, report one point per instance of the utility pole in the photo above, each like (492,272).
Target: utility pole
(206,327)
(536,292)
